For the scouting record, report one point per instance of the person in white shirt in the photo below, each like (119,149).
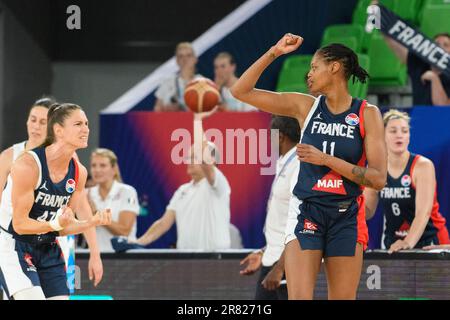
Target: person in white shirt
(225,77)
(271,258)
(170,94)
(110,192)
(200,208)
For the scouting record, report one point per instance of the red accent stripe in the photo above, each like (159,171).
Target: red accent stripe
(362,230)
(413,164)
(362,131)
(76,171)
(361,119)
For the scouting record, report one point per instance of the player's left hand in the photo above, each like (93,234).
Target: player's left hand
(399,245)
(95,269)
(310,154)
(273,279)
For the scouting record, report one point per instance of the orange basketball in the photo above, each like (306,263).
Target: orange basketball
(201,95)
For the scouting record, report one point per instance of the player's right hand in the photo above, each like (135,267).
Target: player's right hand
(67,217)
(253,262)
(290,42)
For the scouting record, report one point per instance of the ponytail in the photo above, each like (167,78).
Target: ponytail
(348,58)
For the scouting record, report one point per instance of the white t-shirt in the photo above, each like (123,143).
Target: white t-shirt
(171,90)
(278,206)
(6,200)
(203,214)
(121,197)
(234,104)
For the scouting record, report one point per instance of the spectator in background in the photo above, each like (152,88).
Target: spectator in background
(200,208)
(430,86)
(409,201)
(170,94)
(110,192)
(271,258)
(225,77)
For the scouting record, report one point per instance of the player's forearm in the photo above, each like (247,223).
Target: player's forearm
(280,262)
(31,226)
(249,78)
(91,238)
(368,177)
(417,228)
(77,227)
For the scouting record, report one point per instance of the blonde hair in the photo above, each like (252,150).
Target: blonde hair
(184,45)
(394,114)
(107,153)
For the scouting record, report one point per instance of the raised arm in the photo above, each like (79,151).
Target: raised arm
(201,146)
(400,51)
(375,174)
(295,105)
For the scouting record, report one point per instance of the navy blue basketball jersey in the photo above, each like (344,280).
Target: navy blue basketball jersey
(48,196)
(340,135)
(398,200)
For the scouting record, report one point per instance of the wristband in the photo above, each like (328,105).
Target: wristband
(54,224)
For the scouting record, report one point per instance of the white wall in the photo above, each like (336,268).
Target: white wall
(94,86)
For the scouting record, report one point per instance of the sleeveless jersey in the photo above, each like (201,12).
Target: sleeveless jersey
(398,200)
(340,135)
(48,196)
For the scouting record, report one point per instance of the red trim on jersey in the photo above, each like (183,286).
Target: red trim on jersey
(361,119)
(362,230)
(413,164)
(436,218)
(76,171)
(362,131)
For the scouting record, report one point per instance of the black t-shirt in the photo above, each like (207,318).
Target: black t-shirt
(422,92)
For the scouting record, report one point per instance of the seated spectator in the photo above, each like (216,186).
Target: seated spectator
(110,192)
(200,208)
(430,86)
(225,77)
(409,200)
(170,94)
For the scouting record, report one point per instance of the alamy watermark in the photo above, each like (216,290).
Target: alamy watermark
(374,280)
(73,22)
(373,18)
(73,277)
(234,146)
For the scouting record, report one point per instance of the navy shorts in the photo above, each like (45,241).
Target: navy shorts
(26,265)
(330,230)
